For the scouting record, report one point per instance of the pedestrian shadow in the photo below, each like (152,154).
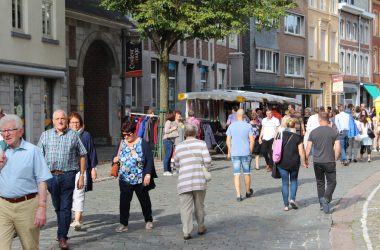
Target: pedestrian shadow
(272,190)
(346,202)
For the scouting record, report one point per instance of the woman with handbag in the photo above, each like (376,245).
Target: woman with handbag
(292,154)
(365,133)
(170,133)
(192,158)
(136,174)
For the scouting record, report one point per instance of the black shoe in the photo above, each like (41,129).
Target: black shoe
(355,160)
(239,198)
(325,205)
(349,160)
(345,163)
(187,237)
(247,195)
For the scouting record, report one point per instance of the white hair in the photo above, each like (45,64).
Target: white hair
(11,118)
(190,130)
(59,111)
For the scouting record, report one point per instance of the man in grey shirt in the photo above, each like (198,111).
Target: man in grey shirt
(326,152)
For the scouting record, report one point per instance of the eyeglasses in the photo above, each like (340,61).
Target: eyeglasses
(8,130)
(128,134)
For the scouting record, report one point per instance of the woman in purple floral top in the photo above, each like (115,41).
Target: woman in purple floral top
(136,174)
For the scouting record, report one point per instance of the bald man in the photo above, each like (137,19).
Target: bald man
(240,143)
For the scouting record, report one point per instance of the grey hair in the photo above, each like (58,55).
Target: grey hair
(190,130)
(59,111)
(11,118)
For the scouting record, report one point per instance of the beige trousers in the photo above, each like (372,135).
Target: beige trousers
(19,217)
(188,200)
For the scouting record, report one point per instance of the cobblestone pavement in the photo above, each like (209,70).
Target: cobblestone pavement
(255,223)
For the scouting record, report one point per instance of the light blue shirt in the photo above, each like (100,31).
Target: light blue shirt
(240,132)
(24,169)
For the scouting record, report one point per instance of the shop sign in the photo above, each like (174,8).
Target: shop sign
(337,86)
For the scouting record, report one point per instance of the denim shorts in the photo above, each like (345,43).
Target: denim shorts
(241,161)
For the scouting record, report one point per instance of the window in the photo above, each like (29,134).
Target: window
(204,77)
(172,84)
(375,60)
(19,97)
(354,32)
(312,42)
(233,41)
(266,60)
(323,46)
(333,47)
(348,64)
(361,70)
(17,14)
(341,28)
(294,66)
(375,32)
(322,4)
(333,6)
(47,18)
(366,35)
(294,24)
(366,66)
(341,62)
(48,103)
(221,78)
(154,79)
(348,30)
(354,66)
(313,3)
(361,33)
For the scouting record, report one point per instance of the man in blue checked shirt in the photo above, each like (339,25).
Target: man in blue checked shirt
(23,176)
(65,155)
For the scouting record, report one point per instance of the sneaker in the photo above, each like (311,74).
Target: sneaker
(76,225)
(247,195)
(293,204)
(187,237)
(167,173)
(355,160)
(325,205)
(239,198)
(149,225)
(121,228)
(202,231)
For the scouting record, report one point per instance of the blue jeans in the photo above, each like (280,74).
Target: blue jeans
(343,136)
(61,188)
(241,161)
(285,184)
(168,147)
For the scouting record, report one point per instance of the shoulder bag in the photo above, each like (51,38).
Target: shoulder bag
(275,172)
(172,134)
(116,165)
(206,173)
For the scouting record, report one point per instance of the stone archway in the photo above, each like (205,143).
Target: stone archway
(97,76)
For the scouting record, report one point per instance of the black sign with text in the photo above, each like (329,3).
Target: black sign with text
(134,59)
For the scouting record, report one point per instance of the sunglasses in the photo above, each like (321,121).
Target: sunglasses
(128,134)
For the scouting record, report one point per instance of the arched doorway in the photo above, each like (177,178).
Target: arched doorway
(97,74)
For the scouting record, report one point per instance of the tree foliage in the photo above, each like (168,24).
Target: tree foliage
(167,21)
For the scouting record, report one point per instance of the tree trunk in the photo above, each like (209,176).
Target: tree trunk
(164,88)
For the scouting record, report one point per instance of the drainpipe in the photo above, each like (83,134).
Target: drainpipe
(360,63)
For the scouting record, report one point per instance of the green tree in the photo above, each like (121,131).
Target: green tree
(166,22)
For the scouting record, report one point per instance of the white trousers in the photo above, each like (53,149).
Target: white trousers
(79,194)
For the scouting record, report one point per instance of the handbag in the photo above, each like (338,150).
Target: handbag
(172,134)
(370,133)
(116,165)
(275,173)
(206,173)
(277,148)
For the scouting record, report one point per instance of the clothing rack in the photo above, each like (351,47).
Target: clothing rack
(141,114)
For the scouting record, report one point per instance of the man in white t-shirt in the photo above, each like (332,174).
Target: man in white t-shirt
(267,134)
(312,123)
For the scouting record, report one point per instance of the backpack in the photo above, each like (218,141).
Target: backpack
(277,147)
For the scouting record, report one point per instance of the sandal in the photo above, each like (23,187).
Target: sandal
(286,209)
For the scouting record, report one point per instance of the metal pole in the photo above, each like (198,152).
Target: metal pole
(122,76)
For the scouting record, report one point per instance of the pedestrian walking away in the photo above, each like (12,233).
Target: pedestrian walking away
(136,174)
(23,188)
(342,122)
(65,156)
(326,143)
(191,156)
(76,123)
(269,128)
(240,143)
(292,153)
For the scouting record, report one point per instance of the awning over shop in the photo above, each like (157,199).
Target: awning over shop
(277,89)
(372,90)
(238,96)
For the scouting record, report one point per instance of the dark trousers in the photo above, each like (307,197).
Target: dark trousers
(266,151)
(168,147)
(126,194)
(325,172)
(61,188)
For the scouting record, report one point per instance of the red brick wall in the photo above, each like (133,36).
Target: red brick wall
(190,48)
(204,50)
(97,79)
(376,43)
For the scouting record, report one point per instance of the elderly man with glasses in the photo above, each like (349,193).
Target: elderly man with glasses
(23,176)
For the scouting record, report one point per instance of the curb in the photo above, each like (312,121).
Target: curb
(343,216)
